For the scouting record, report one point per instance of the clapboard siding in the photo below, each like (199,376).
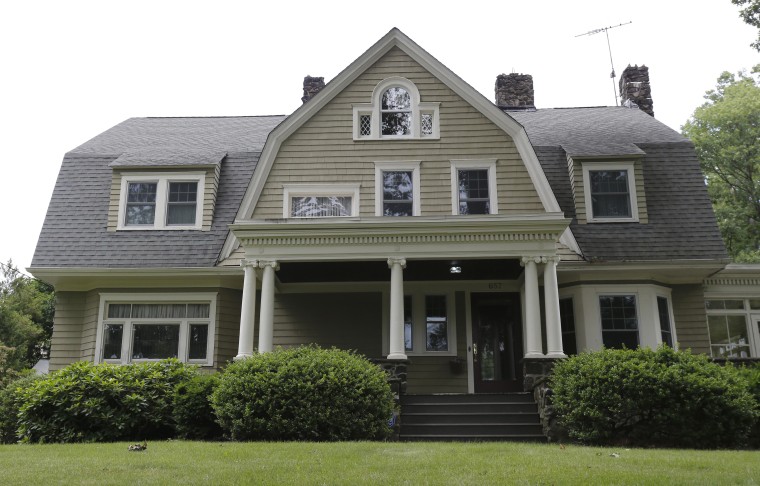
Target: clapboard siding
(346,321)
(228,306)
(74,328)
(690,318)
(323,150)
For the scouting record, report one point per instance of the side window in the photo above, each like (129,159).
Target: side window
(567,317)
(620,324)
(663,311)
(397,189)
(727,324)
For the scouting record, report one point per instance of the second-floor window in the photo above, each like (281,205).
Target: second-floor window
(610,192)
(397,188)
(320,200)
(473,187)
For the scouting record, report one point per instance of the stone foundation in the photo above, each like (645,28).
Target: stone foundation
(397,373)
(536,380)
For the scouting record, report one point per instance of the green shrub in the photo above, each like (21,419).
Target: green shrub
(9,405)
(85,402)
(752,375)
(644,397)
(304,394)
(193,416)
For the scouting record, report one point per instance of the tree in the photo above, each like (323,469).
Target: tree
(26,318)
(751,15)
(726,134)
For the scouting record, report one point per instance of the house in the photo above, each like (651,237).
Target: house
(400,213)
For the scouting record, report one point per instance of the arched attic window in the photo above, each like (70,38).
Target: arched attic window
(396,112)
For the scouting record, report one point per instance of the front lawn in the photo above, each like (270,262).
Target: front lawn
(179,462)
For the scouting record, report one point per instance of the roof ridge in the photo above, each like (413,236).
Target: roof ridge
(211,116)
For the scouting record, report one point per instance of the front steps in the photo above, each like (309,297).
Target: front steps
(487,417)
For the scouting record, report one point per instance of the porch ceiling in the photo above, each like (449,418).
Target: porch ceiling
(416,270)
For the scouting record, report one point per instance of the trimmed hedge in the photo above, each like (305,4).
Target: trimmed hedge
(652,398)
(193,416)
(304,393)
(752,375)
(97,403)
(10,402)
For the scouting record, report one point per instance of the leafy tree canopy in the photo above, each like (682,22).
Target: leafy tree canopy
(750,13)
(726,133)
(26,319)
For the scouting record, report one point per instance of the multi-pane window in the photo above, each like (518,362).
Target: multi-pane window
(663,312)
(619,321)
(365,125)
(151,331)
(473,191)
(182,204)
(396,112)
(610,196)
(426,124)
(141,203)
(727,322)
(320,206)
(436,323)
(567,318)
(398,193)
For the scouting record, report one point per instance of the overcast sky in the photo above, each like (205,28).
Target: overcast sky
(71,69)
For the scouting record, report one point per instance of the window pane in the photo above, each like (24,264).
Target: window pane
(718,329)
(619,321)
(155,341)
(112,334)
(180,214)
(198,341)
(567,318)
(473,192)
(365,125)
(398,193)
(182,203)
(119,311)
(426,121)
(141,203)
(620,339)
(609,194)
(754,304)
(734,304)
(198,311)
(662,310)
(158,311)
(408,324)
(398,209)
(396,123)
(396,99)
(436,323)
(714,304)
(320,206)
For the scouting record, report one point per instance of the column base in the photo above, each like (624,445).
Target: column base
(242,356)
(396,356)
(556,355)
(534,355)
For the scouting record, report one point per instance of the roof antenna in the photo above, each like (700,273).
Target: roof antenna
(612,74)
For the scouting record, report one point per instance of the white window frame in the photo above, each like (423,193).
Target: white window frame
(751,316)
(162,181)
(413,166)
(610,166)
(156,298)
(304,190)
(480,164)
(418,107)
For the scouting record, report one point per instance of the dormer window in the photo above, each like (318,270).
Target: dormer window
(396,112)
(163,201)
(610,192)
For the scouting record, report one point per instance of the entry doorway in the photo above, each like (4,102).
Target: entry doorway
(496,342)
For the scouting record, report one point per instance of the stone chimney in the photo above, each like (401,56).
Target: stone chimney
(514,91)
(312,86)
(635,90)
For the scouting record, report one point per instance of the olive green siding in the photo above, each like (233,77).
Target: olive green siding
(690,318)
(576,174)
(228,304)
(322,150)
(211,185)
(346,321)
(74,328)
(432,374)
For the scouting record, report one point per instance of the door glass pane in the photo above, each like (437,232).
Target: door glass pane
(112,334)
(198,341)
(155,341)
(437,334)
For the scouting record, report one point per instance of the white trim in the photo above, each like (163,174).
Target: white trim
(486,164)
(610,166)
(410,165)
(394,38)
(294,190)
(162,180)
(127,330)
(373,109)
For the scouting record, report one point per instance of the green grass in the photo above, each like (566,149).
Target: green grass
(178,462)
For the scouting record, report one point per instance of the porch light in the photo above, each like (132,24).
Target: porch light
(455,269)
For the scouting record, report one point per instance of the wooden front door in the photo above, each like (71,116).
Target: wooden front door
(497,342)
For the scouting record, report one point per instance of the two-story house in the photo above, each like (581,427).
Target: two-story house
(400,213)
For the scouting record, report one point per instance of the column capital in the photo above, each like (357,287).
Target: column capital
(393,260)
(245,262)
(527,259)
(554,259)
(269,263)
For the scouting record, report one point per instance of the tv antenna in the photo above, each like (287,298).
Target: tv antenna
(612,74)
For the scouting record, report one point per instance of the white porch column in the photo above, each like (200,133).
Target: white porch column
(396,348)
(248,309)
(532,309)
(551,310)
(266,318)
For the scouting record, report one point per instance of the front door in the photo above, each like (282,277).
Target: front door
(496,342)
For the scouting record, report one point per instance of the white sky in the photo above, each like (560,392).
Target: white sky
(71,69)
